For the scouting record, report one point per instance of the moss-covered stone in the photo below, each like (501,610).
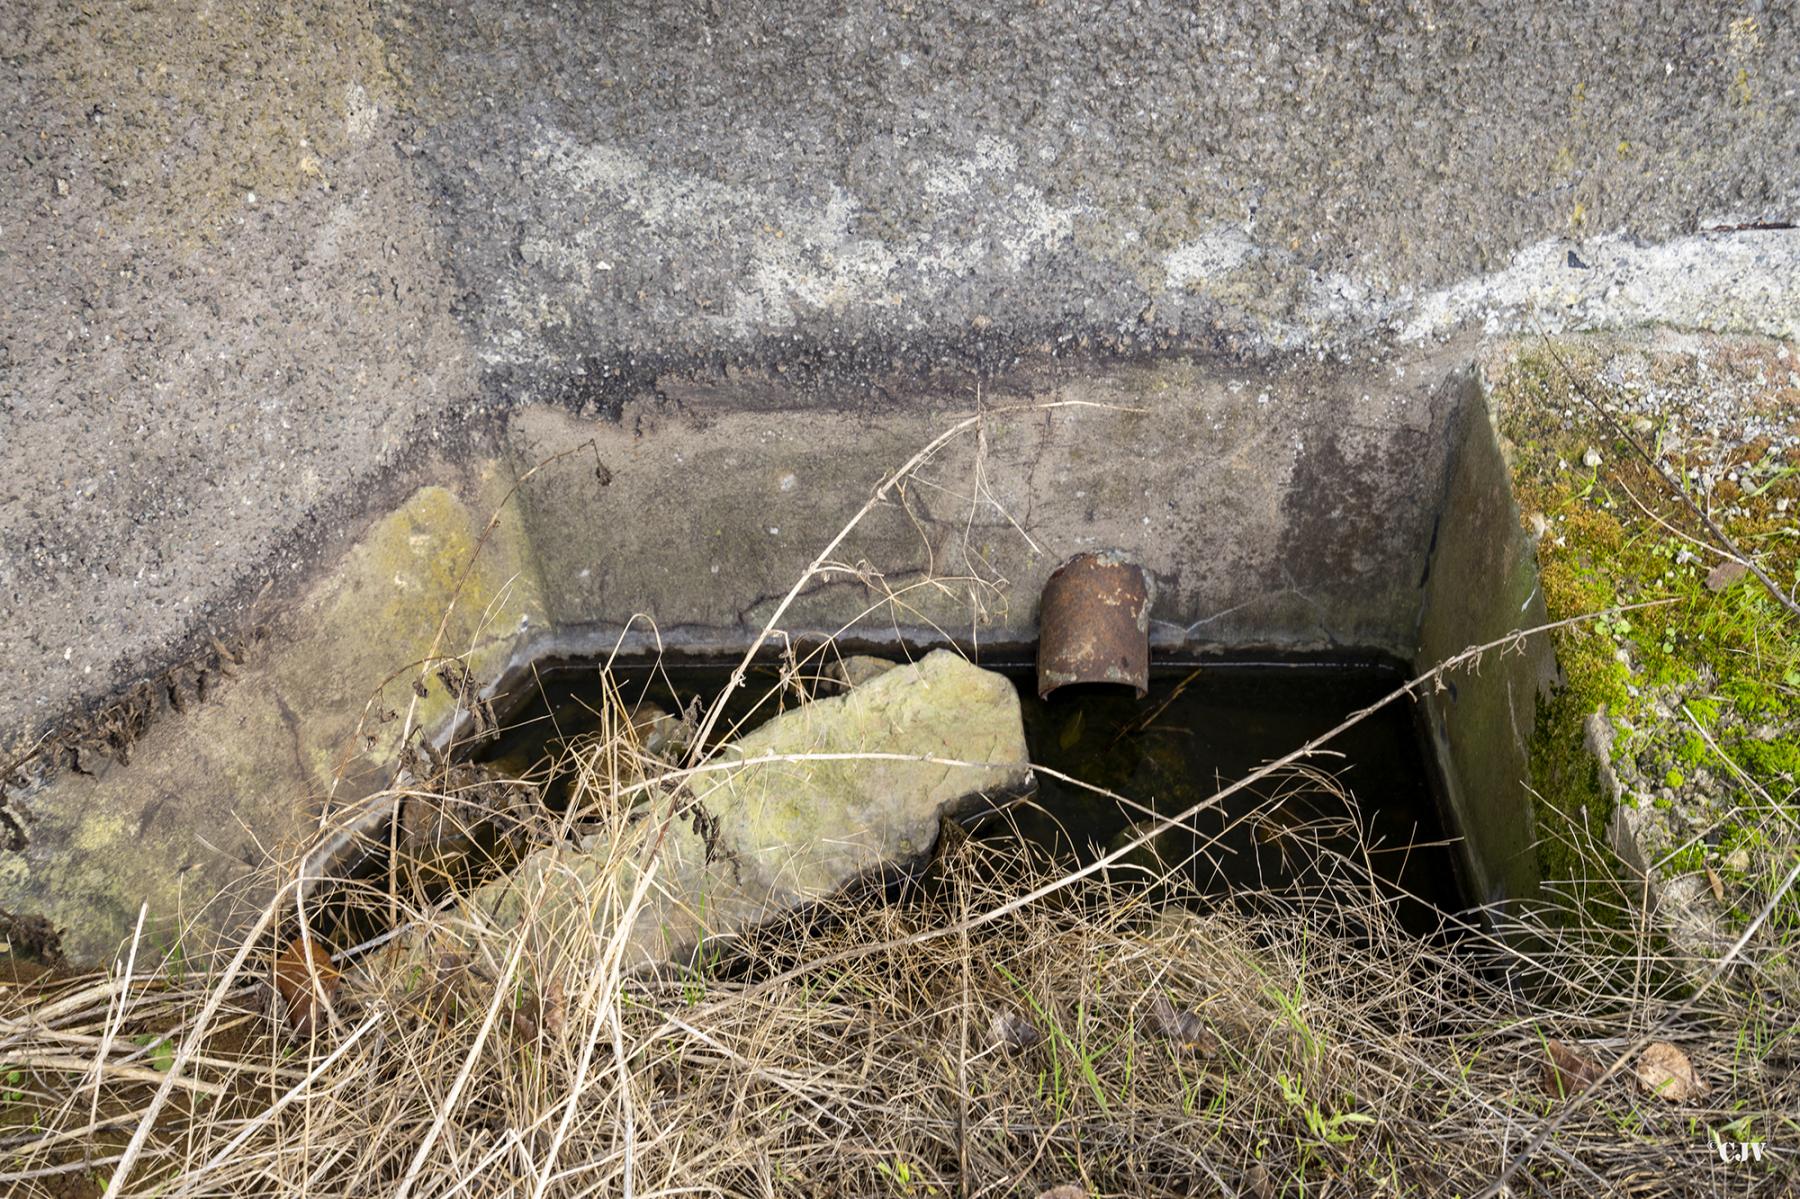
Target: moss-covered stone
(422,584)
(806,826)
(213,794)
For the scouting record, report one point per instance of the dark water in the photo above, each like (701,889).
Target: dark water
(1202,726)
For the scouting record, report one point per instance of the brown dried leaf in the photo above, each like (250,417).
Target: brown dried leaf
(540,1013)
(1068,1190)
(525,1019)
(306,988)
(1665,1071)
(1257,1181)
(1725,574)
(1185,1029)
(1013,1032)
(555,1008)
(1568,1070)
(1718,887)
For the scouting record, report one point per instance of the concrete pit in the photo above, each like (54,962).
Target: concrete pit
(1290,511)
(300,307)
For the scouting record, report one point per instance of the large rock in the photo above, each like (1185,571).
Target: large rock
(783,829)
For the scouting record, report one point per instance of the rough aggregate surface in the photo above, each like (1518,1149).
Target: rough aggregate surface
(251,259)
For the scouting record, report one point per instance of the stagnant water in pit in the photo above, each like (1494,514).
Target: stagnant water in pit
(1202,725)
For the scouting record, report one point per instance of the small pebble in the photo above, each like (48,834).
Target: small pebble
(1725,574)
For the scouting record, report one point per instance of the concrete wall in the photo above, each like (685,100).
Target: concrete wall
(1481,586)
(1285,506)
(1282,506)
(258,264)
(267,274)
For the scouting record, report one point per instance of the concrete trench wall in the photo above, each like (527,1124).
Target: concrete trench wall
(1480,587)
(1276,508)
(1286,508)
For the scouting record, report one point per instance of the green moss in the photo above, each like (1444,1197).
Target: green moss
(1692,750)
(1775,762)
(1575,806)
(412,588)
(1689,859)
(1729,659)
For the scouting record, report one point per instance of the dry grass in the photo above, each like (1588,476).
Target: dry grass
(872,1050)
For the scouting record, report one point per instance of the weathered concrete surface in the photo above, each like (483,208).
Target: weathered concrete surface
(762,839)
(1481,585)
(259,273)
(1289,508)
(224,313)
(248,260)
(647,180)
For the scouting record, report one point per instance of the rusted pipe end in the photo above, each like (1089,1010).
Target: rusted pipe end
(1094,624)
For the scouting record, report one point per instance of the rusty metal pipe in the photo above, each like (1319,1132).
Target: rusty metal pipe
(1094,624)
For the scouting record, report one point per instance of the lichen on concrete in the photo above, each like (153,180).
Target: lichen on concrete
(214,795)
(423,583)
